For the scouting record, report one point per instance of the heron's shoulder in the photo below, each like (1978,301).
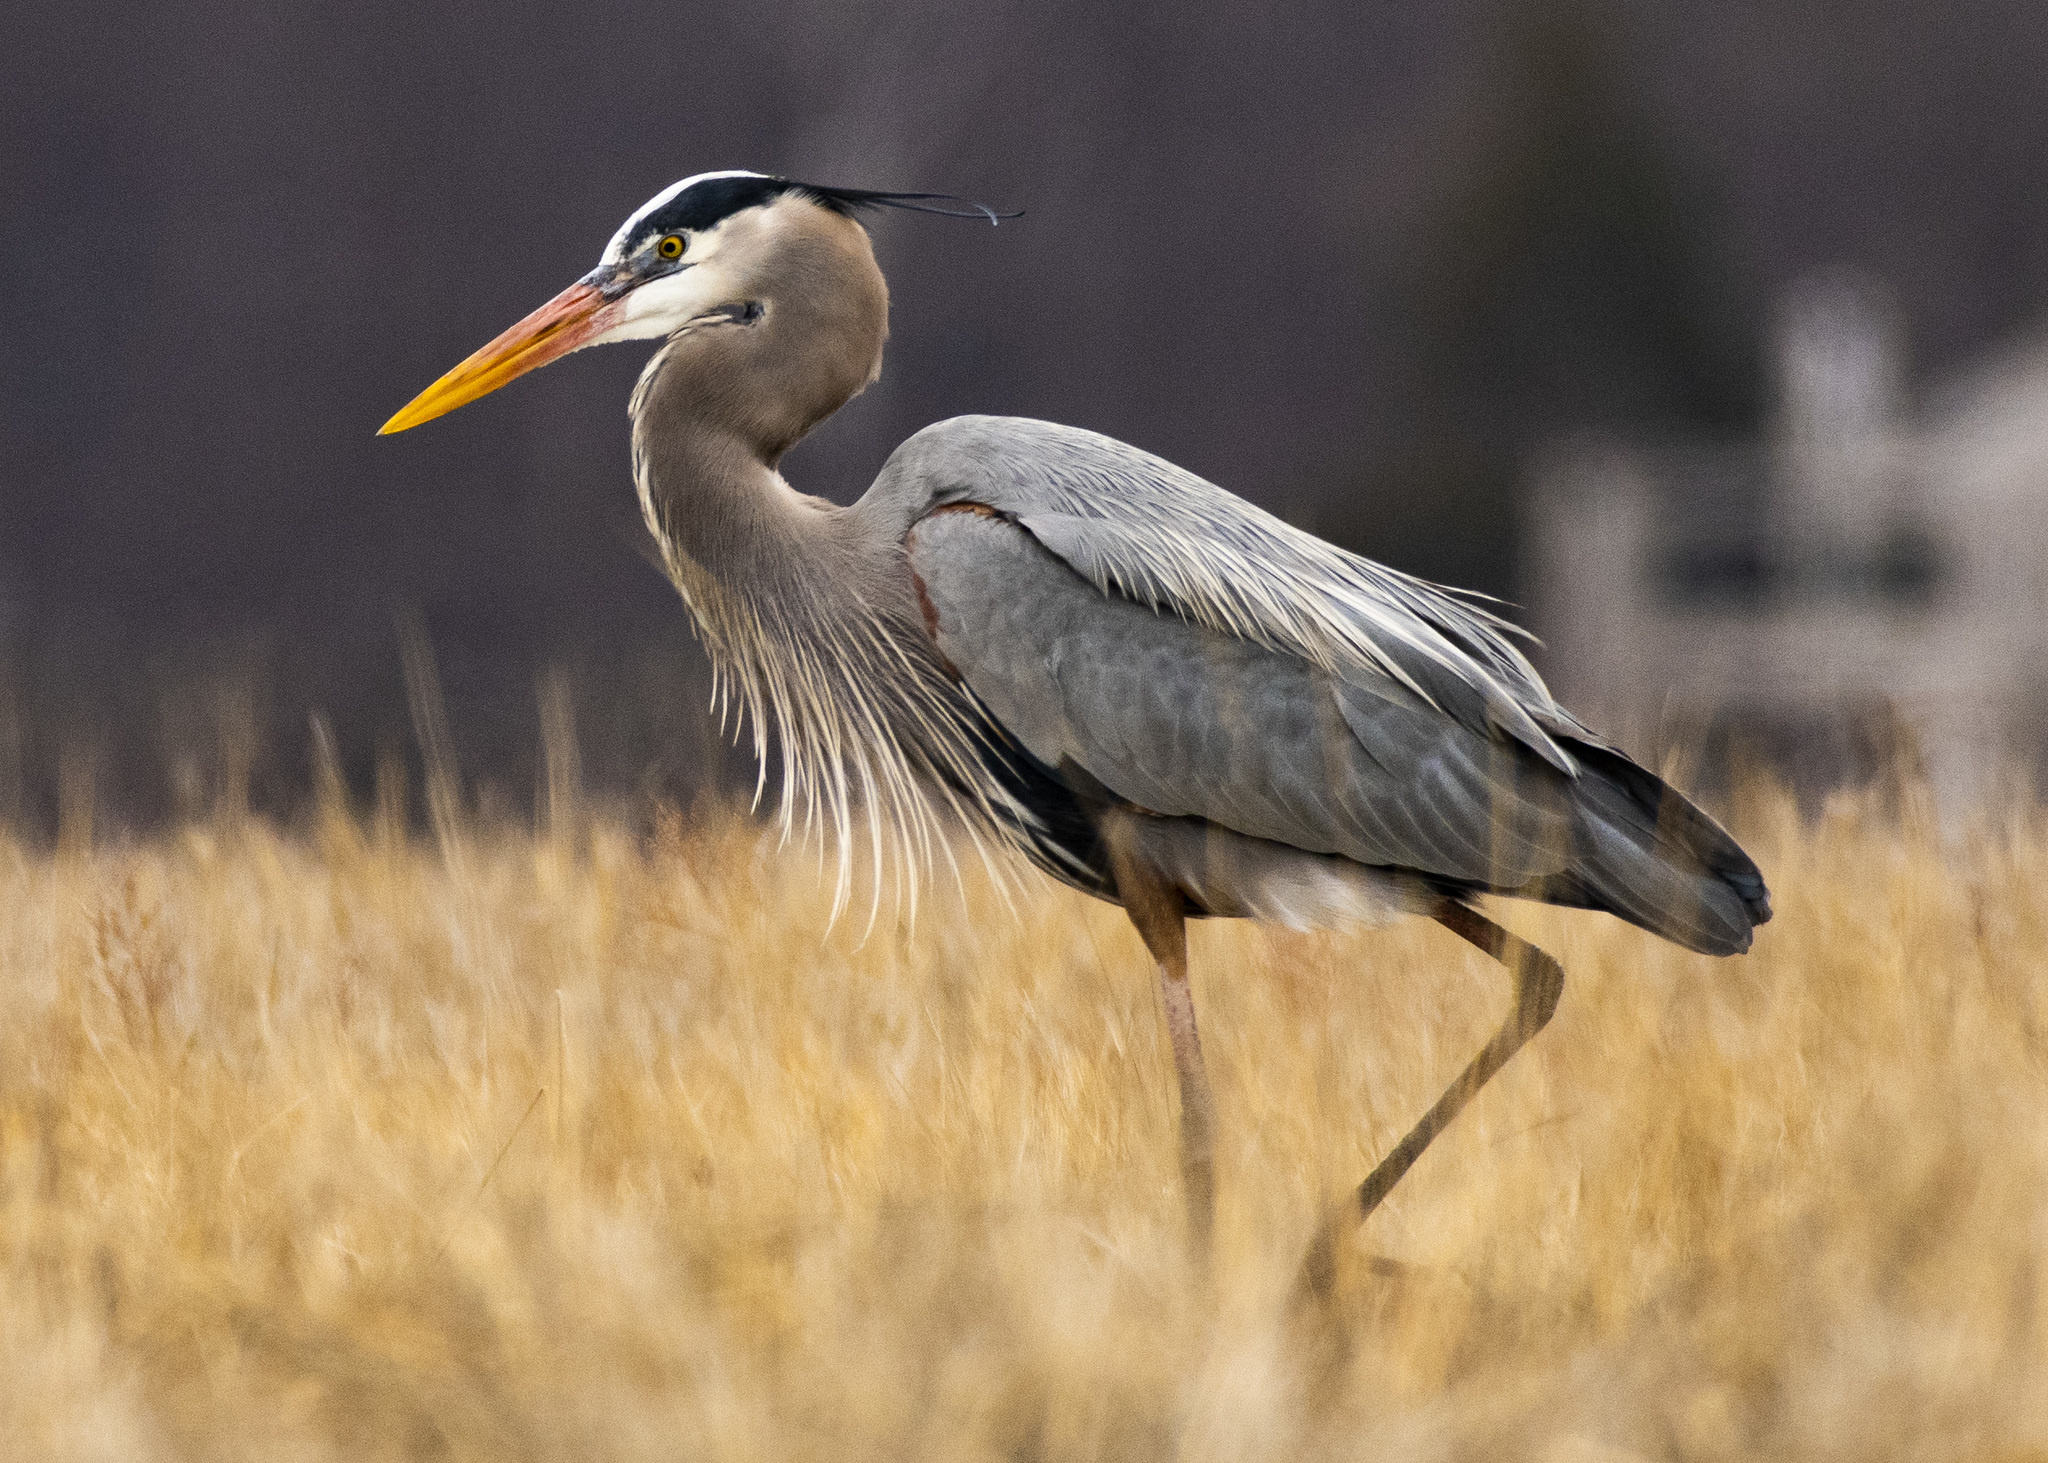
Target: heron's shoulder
(1018,451)
(977,438)
(1024,466)
(1140,528)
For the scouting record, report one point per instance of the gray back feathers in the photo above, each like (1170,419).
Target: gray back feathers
(1141,528)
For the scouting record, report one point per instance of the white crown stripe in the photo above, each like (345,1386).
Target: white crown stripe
(616,249)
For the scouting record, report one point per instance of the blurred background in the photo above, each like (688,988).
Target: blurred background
(1713,333)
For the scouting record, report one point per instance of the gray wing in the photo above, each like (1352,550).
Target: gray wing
(1198,657)
(1186,721)
(1139,528)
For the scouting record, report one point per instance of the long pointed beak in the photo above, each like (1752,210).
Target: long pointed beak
(573,318)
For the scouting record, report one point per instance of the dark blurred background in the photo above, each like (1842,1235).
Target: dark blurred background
(1355,261)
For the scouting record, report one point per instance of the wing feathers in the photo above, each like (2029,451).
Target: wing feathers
(1202,659)
(1185,722)
(1138,526)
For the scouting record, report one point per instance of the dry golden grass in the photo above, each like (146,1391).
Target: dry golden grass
(347,1145)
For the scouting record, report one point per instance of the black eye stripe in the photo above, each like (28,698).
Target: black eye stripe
(696,209)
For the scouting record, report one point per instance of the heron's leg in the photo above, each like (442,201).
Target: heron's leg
(1156,908)
(1539,980)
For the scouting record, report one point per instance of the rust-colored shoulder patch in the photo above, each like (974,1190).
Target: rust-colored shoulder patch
(929,613)
(979,509)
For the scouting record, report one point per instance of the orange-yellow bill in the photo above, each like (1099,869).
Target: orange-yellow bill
(570,319)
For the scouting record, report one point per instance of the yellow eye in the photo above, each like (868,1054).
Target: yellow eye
(671,247)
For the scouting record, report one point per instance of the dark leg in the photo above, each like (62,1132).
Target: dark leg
(1539,980)
(1156,908)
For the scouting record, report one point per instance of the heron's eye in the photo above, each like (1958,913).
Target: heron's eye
(671,247)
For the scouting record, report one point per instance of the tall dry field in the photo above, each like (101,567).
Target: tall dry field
(349,1145)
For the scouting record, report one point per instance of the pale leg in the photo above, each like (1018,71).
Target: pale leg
(1197,1108)
(1539,980)
(1157,909)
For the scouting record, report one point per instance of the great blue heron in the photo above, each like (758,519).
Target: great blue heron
(1074,650)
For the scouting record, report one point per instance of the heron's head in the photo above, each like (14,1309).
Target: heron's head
(714,255)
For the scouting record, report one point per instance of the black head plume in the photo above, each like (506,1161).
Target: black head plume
(851,200)
(704,201)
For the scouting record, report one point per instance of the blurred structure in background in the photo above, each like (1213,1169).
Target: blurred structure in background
(1353,259)
(1864,588)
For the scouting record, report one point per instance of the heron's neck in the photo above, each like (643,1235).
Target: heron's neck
(717,408)
(730,528)
(813,630)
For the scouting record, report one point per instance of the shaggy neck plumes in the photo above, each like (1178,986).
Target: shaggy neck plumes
(808,627)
